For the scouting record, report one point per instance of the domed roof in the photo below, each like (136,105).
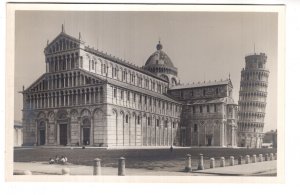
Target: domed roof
(159,58)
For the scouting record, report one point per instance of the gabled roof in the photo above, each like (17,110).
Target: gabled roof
(45,75)
(204,84)
(63,35)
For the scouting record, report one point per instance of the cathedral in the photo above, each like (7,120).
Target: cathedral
(88,97)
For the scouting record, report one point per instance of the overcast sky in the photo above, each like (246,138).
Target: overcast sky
(202,45)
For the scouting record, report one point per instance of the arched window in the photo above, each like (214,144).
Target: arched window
(157,122)
(149,121)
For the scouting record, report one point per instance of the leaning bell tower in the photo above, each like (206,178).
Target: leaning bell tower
(252,100)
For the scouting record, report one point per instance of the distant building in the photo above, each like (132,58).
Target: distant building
(90,97)
(271,137)
(18,133)
(209,114)
(252,101)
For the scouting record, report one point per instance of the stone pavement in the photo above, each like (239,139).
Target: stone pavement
(267,168)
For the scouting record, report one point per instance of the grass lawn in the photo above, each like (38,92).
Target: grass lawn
(152,159)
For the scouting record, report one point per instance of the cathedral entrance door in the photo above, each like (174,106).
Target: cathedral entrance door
(86,136)
(63,134)
(42,137)
(42,133)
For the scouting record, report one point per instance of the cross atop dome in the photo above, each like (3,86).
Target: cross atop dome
(159,46)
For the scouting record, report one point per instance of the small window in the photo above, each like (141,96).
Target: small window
(259,65)
(194,109)
(204,92)
(207,108)
(128,95)
(134,97)
(173,124)
(115,93)
(122,94)
(126,118)
(157,122)
(166,124)
(149,121)
(195,128)
(215,107)
(201,109)
(138,120)
(217,91)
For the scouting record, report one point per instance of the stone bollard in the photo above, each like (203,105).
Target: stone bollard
(97,166)
(271,156)
(266,157)
(247,160)
(201,164)
(121,166)
(212,163)
(240,160)
(65,171)
(254,158)
(222,162)
(231,161)
(260,158)
(188,163)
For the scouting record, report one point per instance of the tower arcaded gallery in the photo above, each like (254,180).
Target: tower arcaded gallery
(252,100)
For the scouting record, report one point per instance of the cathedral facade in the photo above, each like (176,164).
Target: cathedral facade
(88,97)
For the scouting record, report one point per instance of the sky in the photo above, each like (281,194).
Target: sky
(202,45)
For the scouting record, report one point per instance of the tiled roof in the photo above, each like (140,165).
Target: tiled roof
(226,100)
(122,62)
(134,88)
(203,84)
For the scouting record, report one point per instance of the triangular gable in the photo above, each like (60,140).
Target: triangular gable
(35,83)
(99,78)
(45,77)
(61,37)
(230,83)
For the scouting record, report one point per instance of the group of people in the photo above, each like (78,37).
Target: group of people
(58,160)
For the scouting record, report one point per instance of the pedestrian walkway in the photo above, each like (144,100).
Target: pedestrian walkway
(266,168)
